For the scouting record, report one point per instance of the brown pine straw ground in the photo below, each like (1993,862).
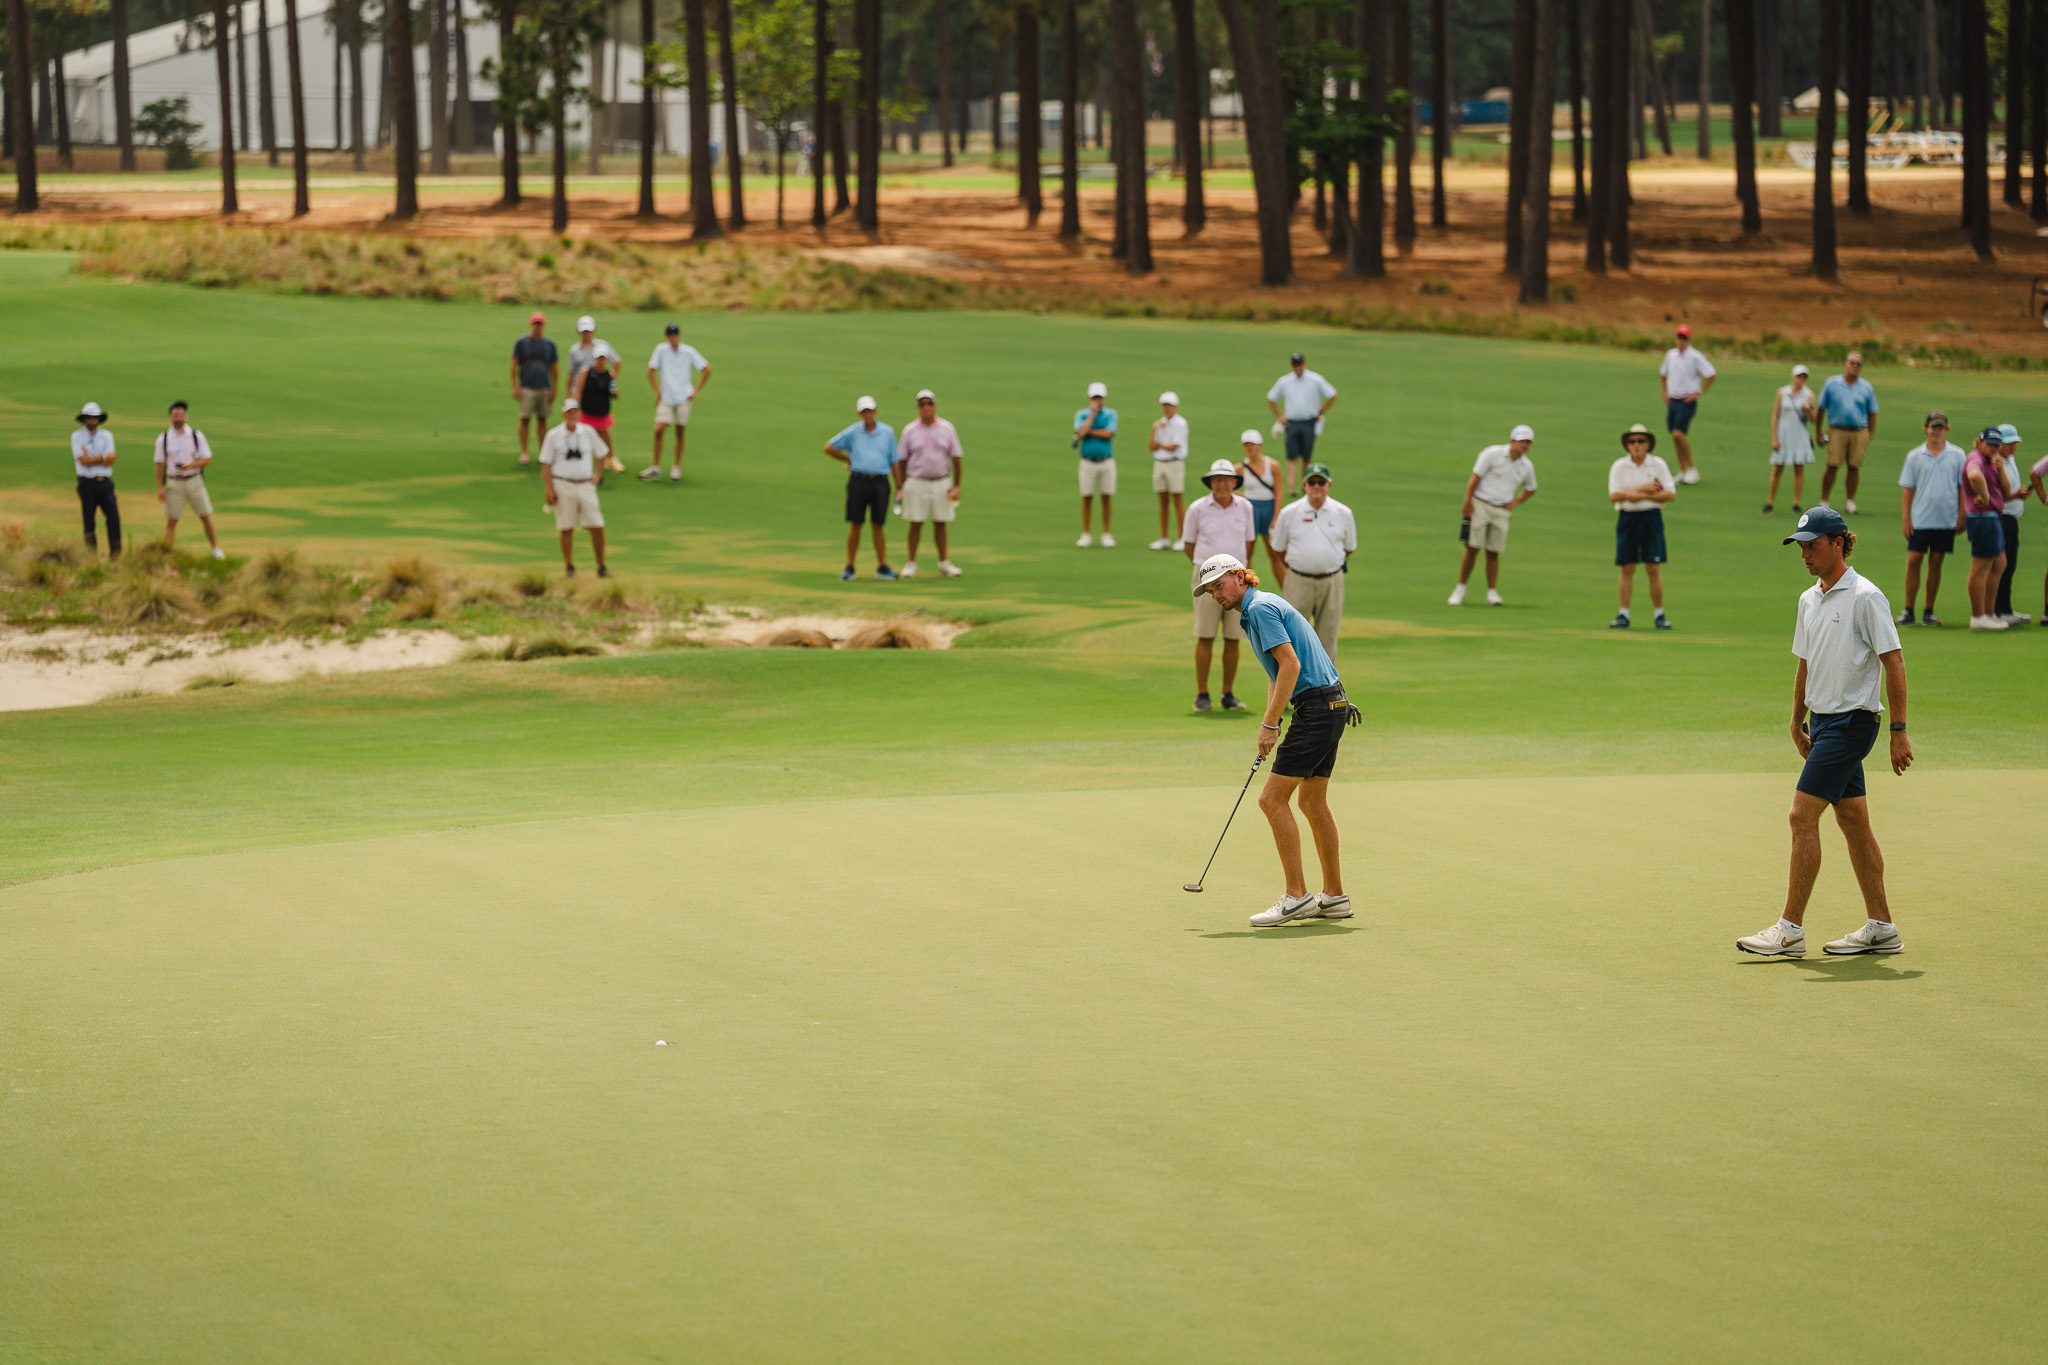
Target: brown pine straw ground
(1908,277)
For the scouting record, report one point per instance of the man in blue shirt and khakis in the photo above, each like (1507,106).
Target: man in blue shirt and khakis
(1851,407)
(868,450)
(1094,437)
(1302,674)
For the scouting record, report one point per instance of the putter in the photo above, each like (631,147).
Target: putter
(1196,885)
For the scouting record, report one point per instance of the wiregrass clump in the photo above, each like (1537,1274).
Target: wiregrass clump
(143,596)
(796,637)
(892,635)
(550,646)
(407,575)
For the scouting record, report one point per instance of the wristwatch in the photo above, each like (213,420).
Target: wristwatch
(1898,726)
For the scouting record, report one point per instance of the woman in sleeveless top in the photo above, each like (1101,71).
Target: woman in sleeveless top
(1258,483)
(1791,439)
(600,387)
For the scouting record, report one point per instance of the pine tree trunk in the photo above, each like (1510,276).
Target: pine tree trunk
(1070,122)
(558,207)
(945,76)
(2015,99)
(703,203)
(1128,58)
(1402,75)
(648,113)
(2037,106)
(1254,27)
(1189,81)
(1521,119)
(437,85)
(1977,131)
(1856,34)
(1740,18)
(405,112)
(1626,110)
(735,164)
(1536,201)
(1030,135)
(464,138)
(295,91)
(266,84)
(508,119)
(1770,68)
(1366,250)
(248,124)
(868,117)
(1830,64)
(821,104)
(1576,44)
(1439,108)
(356,109)
(21,121)
(63,93)
(1601,116)
(124,121)
(223,61)
(1705,121)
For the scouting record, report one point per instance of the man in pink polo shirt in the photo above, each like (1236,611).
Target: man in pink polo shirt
(1219,524)
(928,459)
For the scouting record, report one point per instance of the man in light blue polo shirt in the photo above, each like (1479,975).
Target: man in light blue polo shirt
(868,450)
(1930,509)
(1287,648)
(1851,407)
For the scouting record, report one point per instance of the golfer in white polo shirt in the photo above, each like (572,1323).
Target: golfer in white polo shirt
(1503,478)
(569,456)
(1682,380)
(928,457)
(677,373)
(1850,665)
(182,456)
(1169,467)
(1314,537)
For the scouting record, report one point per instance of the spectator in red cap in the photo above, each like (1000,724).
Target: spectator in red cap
(1681,379)
(536,374)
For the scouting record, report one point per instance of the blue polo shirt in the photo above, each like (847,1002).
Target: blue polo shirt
(1096,447)
(1270,620)
(871,452)
(1848,405)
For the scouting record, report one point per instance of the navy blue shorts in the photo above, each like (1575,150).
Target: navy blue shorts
(1986,533)
(1834,765)
(867,498)
(1927,539)
(1301,440)
(1678,413)
(1309,748)
(1639,537)
(1262,515)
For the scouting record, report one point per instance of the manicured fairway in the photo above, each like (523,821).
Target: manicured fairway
(330,1008)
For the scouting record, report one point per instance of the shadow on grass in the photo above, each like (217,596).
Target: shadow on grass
(1289,931)
(1829,970)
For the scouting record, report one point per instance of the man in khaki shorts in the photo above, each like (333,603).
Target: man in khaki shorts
(181,454)
(1094,437)
(1218,524)
(536,374)
(1170,468)
(570,455)
(928,459)
(1851,407)
(677,373)
(1314,536)
(1503,478)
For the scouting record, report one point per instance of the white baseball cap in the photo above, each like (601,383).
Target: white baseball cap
(1170,397)
(1214,567)
(1801,369)
(1250,437)
(1522,433)
(92,410)
(864,403)
(571,405)
(1223,469)
(586,323)
(923,394)
(1098,390)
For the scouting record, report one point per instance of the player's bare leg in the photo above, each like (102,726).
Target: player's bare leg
(1273,800)
(1314,800)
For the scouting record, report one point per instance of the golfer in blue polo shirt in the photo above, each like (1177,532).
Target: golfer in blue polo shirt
(1287,648)
(868,450)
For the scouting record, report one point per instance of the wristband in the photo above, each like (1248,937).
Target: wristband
(1898,727)
(1273,728)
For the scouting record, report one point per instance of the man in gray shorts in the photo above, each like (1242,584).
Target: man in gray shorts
(182,456)
(1298,400)
(1502,479)
(536,374)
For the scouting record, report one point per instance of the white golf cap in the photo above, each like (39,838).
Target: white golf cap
(586,323)
(1213,568)
(92,410)
(1170,397)
(864,403)
(1250,437)
(1522,433)
(1222,469)
(571,405)
(1098,390)
(1801,369)
(923,394)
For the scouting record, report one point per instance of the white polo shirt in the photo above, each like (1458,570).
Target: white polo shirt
(1300,396)
(85,442)
(1314,539)
(175,448)
(572,455)
(1840,633)
(1684,371)
(678,367)
(1502,476)
(1626,473)
(1172,431)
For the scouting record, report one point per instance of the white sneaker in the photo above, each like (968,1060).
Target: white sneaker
(908,570)
(1874,937)
(1690,476)
(1287,909)
(1493,598)
(651,473)
(1180,545)
(1775,942)
(1987,623)
(948,569)
(1334,907)
(2014,618)
(1159,544)
(1852,507)
(676,473)
(1084,542)
(219,553)
(1458,595)
(1108,541)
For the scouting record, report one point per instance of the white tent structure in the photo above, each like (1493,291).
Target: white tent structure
(171,61)
(1808,100)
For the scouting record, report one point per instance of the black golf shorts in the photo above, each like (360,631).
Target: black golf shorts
(1923,541)
(1310,746)
(867,498)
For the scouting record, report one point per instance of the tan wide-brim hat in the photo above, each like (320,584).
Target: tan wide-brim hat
(1639,430)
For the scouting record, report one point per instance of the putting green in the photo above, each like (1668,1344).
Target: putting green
(967,1077)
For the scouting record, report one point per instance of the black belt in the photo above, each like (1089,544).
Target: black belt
(1334,690)
(1303,573)
(1497,506)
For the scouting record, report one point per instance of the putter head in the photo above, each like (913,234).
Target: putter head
(1192,886)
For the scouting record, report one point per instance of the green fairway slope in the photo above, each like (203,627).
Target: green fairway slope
(970,1078)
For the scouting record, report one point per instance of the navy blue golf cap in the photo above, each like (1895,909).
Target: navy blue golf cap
(1991,436)
(1821,521)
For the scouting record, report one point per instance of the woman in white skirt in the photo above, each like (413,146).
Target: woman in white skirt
(1792,418)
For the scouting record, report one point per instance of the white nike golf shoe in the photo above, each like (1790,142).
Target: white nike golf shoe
(1084,542)
(1159,544)
(1108,541)
(1458,595)
(908,570)
(1333,907)
(1775,942)
(948,569)
(1286,910)
(1494,599)
(1875,936)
